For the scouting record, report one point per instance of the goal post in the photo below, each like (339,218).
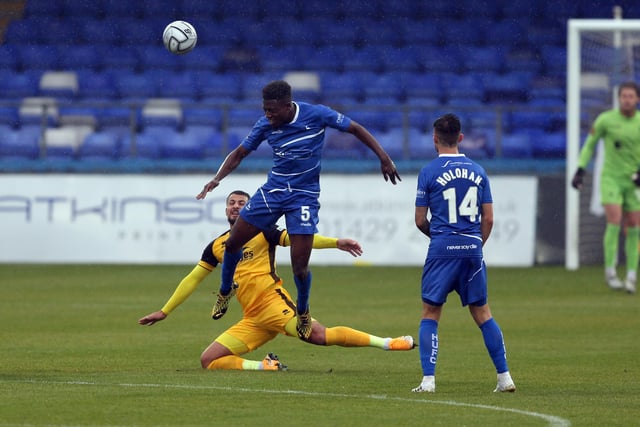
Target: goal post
(601,53)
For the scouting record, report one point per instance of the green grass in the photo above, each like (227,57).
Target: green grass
(72,353)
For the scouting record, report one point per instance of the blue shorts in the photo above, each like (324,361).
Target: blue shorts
(465,275)
(300,210)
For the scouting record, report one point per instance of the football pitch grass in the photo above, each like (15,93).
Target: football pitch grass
(72,353)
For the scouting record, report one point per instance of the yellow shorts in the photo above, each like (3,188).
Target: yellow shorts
(261,323)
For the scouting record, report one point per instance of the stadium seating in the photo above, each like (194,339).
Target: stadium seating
(496,64)
(100,145)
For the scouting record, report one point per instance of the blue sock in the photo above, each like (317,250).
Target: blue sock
(304,290)
(229,263)
(428,346)
(495,344)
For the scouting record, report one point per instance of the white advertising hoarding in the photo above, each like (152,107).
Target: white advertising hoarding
(156,219)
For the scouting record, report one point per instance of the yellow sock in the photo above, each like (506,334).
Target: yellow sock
(348,337)
(235,362)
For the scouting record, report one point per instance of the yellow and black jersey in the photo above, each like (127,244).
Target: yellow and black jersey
(256,271)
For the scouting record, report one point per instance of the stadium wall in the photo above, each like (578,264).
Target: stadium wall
(75,218)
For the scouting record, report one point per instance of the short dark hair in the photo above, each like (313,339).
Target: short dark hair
(447,128)
(278,90)
(629,85)
(239,193)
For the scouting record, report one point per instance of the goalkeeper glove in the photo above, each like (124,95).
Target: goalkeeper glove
(222,303)
(636,178)
(578,179)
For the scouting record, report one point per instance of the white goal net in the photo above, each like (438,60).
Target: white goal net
(601,54)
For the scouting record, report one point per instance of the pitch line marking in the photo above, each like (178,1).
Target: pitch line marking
(552,420)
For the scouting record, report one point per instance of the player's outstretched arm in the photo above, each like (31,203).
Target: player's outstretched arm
(229,164)
(387,167)
(152,318)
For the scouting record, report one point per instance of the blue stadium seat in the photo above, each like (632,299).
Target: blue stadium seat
(343,145)
(43,8)
(525,120)
(202,114)
(202,58)
(504,88)
(119,8)
(375,120)
(166,10)
(118,59)
(19,144)
(372,32)
(506,33)
(63,32)
(9,60)
(115,115)
(339,34)
(523,59)
(484,58)
(421,144)
(401,59)
(18,85)
(148,143)
(516,146)
(550,145)
(81,57)
(327,58)
(368,58)
(100,145)
(24,31)
(155,56)
(471,33)
(460,85)
(220,87)
(39,57)
(183,146)
(554,60)
(475,145)
(143,31)
(132,85)
(244,116)
(181,85)
(420,33)
(387,86)
(337,85)
(392,141)
(424,85)
(298,33)
(440,59)
(205,9)
(100,31)
(8,116)
(282,59)
(82,9)
(546,35)
(488,11)
(96,85)
(207,136)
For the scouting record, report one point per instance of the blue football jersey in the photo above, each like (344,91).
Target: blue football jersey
(297,146)
(454,188)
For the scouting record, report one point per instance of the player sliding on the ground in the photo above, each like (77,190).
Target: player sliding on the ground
(267,307)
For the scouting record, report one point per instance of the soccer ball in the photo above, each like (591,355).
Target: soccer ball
(179,37)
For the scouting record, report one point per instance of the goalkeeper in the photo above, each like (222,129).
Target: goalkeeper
(620,179)
(267,307)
